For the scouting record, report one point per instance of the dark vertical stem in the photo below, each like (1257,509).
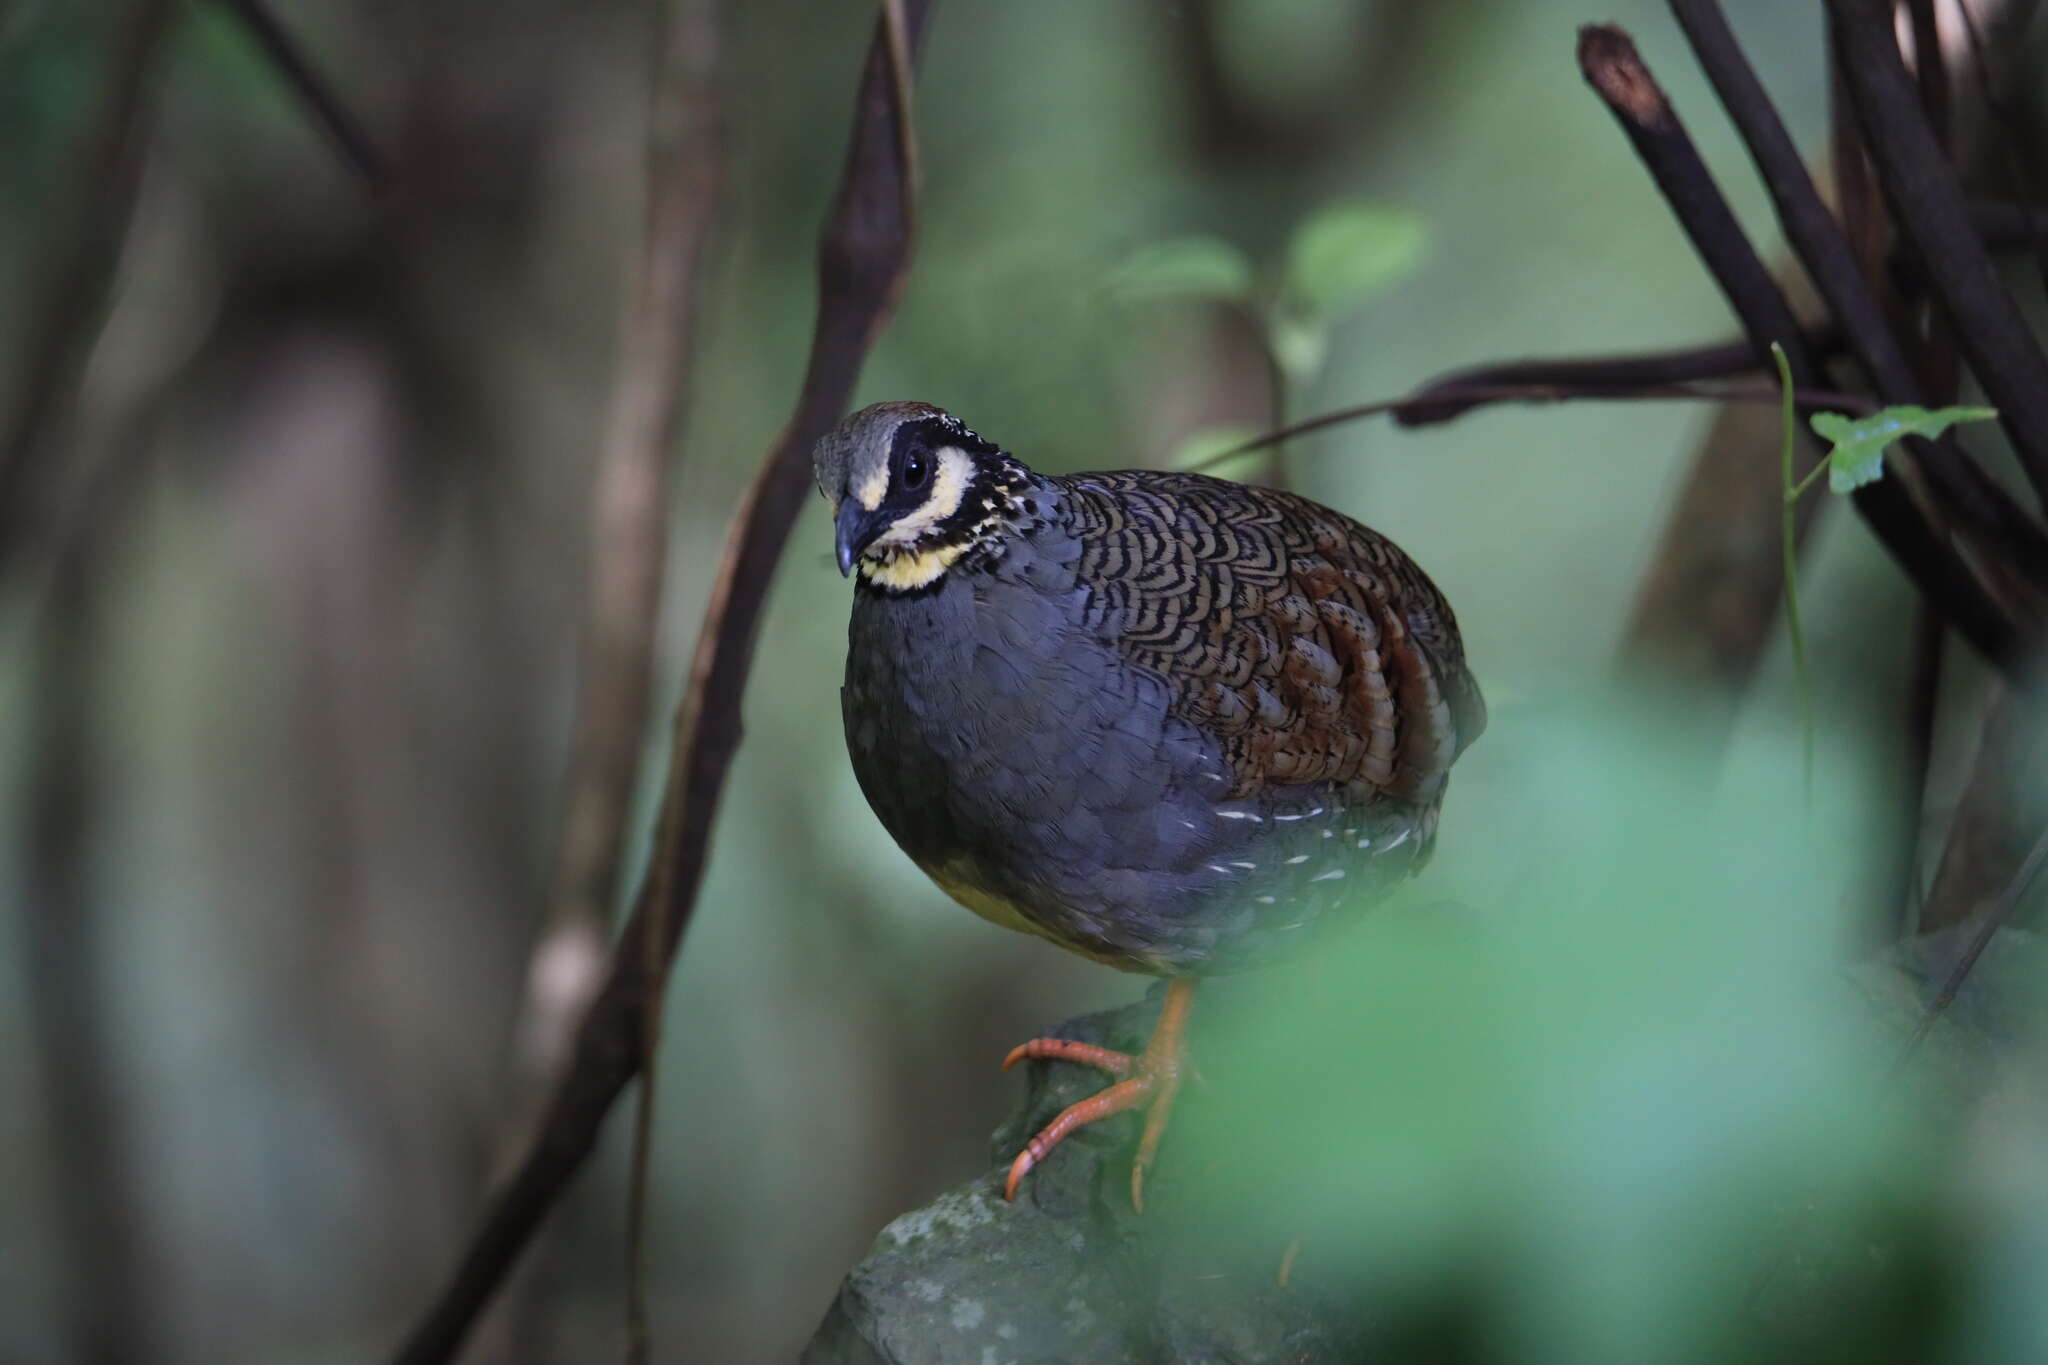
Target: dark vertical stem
(1923,697)
(1926,198)
(66,943)
(60,335)
(2022,150)
(1929,67)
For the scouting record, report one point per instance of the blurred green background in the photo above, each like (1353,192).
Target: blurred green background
(292,757)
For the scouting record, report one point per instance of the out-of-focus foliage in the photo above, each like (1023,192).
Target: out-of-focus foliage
(1184,268)
(1345,254)
(1339,259)
(324,674)
(1629,1106)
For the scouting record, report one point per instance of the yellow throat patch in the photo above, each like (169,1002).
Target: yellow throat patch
(901,572)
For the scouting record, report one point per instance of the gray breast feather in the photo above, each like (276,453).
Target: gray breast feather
(994,736)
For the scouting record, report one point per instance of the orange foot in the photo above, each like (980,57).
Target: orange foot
(1151,1079)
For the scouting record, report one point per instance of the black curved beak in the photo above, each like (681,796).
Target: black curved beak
(856,527)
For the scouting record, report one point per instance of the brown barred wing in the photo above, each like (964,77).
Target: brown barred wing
(1310,646)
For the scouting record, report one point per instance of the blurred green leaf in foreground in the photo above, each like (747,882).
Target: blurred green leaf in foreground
(1633,1108)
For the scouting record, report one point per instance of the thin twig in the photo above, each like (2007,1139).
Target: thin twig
(59,340)
(1445,401)
(1994,919)
(864,254)
(1997,814)
(343,128)
(1922,709)
(1926,198)
(1791,487)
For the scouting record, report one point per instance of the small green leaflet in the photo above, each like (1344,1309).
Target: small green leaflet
(1860,442)
(1348,254)
(1183,268)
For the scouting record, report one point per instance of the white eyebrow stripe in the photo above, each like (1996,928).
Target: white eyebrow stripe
(949,487)
(869,494)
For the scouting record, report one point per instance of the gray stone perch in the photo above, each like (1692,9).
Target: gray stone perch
(1068,1274)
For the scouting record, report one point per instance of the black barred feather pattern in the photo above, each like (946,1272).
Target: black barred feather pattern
(1310,644)
(1160,719)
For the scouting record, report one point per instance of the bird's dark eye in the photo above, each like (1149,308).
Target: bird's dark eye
(916,469)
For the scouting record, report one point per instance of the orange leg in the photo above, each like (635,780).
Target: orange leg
(1156,1081)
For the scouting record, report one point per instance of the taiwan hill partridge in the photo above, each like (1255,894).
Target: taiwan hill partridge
(1160,719)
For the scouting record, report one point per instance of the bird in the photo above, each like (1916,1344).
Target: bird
(1172,723)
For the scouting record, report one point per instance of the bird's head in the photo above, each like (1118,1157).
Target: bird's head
(912,490)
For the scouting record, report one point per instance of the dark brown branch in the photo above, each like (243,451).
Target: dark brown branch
(864,255)
(1929,67)
(1614,69)
(60,338)
(1822,248)
(1926,198)
(2004,225)
(314,91)
(1450,396)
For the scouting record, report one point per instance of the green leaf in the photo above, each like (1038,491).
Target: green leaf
(1199,451)
(1860,442)
(1182,268)
(1346,254)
